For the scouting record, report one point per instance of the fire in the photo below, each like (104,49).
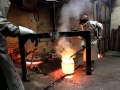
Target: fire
(65,50)
(100,56)
(84,55)
(67,65)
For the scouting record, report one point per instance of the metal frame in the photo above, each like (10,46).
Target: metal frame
(23,39)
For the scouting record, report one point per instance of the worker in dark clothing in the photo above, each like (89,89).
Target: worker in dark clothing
(7,69)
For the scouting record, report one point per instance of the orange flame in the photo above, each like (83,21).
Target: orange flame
(65,50)
(100,55)
(67,65)
(84,55)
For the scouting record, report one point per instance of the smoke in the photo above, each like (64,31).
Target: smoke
(74,8)
(64,48)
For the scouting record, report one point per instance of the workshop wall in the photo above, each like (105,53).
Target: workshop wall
(115,27)
(27,19)
(40,22)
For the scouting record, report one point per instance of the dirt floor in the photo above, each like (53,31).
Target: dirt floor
(106,76)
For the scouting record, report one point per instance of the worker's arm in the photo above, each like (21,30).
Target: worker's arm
(9,29)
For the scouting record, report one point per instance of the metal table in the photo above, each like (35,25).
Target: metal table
(23,39)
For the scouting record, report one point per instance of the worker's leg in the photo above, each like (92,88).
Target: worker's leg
(13,80)
(3,83)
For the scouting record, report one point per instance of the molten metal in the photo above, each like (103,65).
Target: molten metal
(34,63)
(100,56)
(68,67)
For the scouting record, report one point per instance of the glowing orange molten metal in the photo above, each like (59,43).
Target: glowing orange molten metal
(34,63)
(65,50)
(67,66)
(100,56)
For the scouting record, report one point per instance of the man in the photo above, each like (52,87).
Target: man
(7,68)
(95,29)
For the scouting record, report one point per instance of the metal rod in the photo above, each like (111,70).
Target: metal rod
(61,78)
(23,61)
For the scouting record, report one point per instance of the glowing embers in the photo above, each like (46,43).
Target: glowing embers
(34,63)
(30,60)
(67,66)
(100,56)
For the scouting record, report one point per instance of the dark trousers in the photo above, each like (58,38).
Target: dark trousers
(3,83)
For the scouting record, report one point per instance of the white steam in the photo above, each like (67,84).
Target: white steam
(64,48)
(74,8)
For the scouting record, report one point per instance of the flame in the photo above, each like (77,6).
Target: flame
(65,50)
(100,55)
(67,65)
(84,55)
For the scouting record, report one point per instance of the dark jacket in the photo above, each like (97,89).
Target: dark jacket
(8,29)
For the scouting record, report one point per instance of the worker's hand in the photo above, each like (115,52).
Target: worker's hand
(24,30)
(100,37)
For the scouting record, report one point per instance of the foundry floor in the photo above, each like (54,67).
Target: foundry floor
(106,76)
